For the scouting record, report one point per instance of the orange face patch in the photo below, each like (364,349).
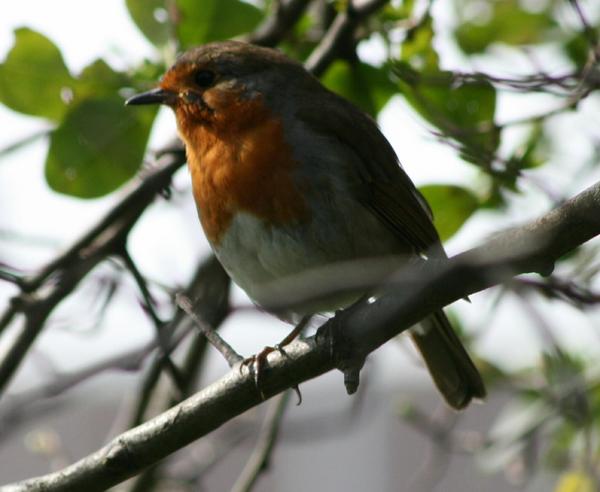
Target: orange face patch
(240,161)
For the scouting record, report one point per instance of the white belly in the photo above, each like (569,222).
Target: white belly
(276,265)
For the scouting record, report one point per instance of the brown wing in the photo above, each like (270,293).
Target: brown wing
(382,185)
(385,189)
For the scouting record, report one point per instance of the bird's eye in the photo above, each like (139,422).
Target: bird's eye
(204,78)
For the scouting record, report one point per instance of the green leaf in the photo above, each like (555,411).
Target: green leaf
(397,13)
(513,429)
(561,368)
(99,145)
(98,79)
(533,152)
(299,43)
(494,197)
(508,23)
(578,49)
(461,110)
(560,444)
(417,48)
(366,86)
(214,20)
(566,386)
(451,206)
(34,78)
(151,17)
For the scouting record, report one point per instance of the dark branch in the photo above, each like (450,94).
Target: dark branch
(354,332)
(565,290)
(44,291)
(226,350)
(210,290)
(259,459)
(279,23)
(338,34)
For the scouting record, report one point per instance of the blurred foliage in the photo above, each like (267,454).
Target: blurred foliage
(150,16)
(187,24)
(511,22)
(34,78)
(213,20)
(554,415)
(577,49)
(460,110)
(367,86)
(96,145)
(575,482)
(451,206)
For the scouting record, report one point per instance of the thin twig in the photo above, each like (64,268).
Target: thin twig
(64,273)
(18,405)
(162,334)
(210,286)
(22,142)
(589,31)
(8,315)
(353,332)
(226,350)
(259,459)
(196,351)
(337,34)
(132,205)
(10,277)
(215,305)
(566,290)
(144,290)
(440,431)
(279,23)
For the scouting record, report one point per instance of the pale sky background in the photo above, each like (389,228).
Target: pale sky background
(87,30)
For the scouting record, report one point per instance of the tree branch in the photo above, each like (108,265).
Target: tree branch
(354,332)
(44,291)
(279,23)
(209,286)
(337,34)
(259,459)
(210,291)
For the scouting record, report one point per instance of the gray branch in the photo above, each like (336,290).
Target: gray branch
(354,332)
(259,459)
(338,34)
(41,293)
(279,24)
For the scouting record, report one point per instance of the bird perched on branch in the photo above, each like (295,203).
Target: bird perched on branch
(291,180)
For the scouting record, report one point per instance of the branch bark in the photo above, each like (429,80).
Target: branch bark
(210,291)
(278,25)
(354,332)
(44,291)
(338,33)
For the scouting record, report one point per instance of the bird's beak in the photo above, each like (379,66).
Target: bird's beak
(155,96)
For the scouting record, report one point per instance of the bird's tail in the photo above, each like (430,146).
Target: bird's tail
(450,366)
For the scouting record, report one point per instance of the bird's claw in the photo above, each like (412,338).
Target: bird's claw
(256,363)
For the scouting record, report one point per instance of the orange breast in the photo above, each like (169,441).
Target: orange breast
(241,162)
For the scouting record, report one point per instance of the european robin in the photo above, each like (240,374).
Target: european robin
(289,178)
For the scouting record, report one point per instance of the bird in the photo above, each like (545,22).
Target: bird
(291,179)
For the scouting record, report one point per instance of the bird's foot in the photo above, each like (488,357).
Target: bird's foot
(256,363)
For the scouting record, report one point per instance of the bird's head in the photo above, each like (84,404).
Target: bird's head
(219,84)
